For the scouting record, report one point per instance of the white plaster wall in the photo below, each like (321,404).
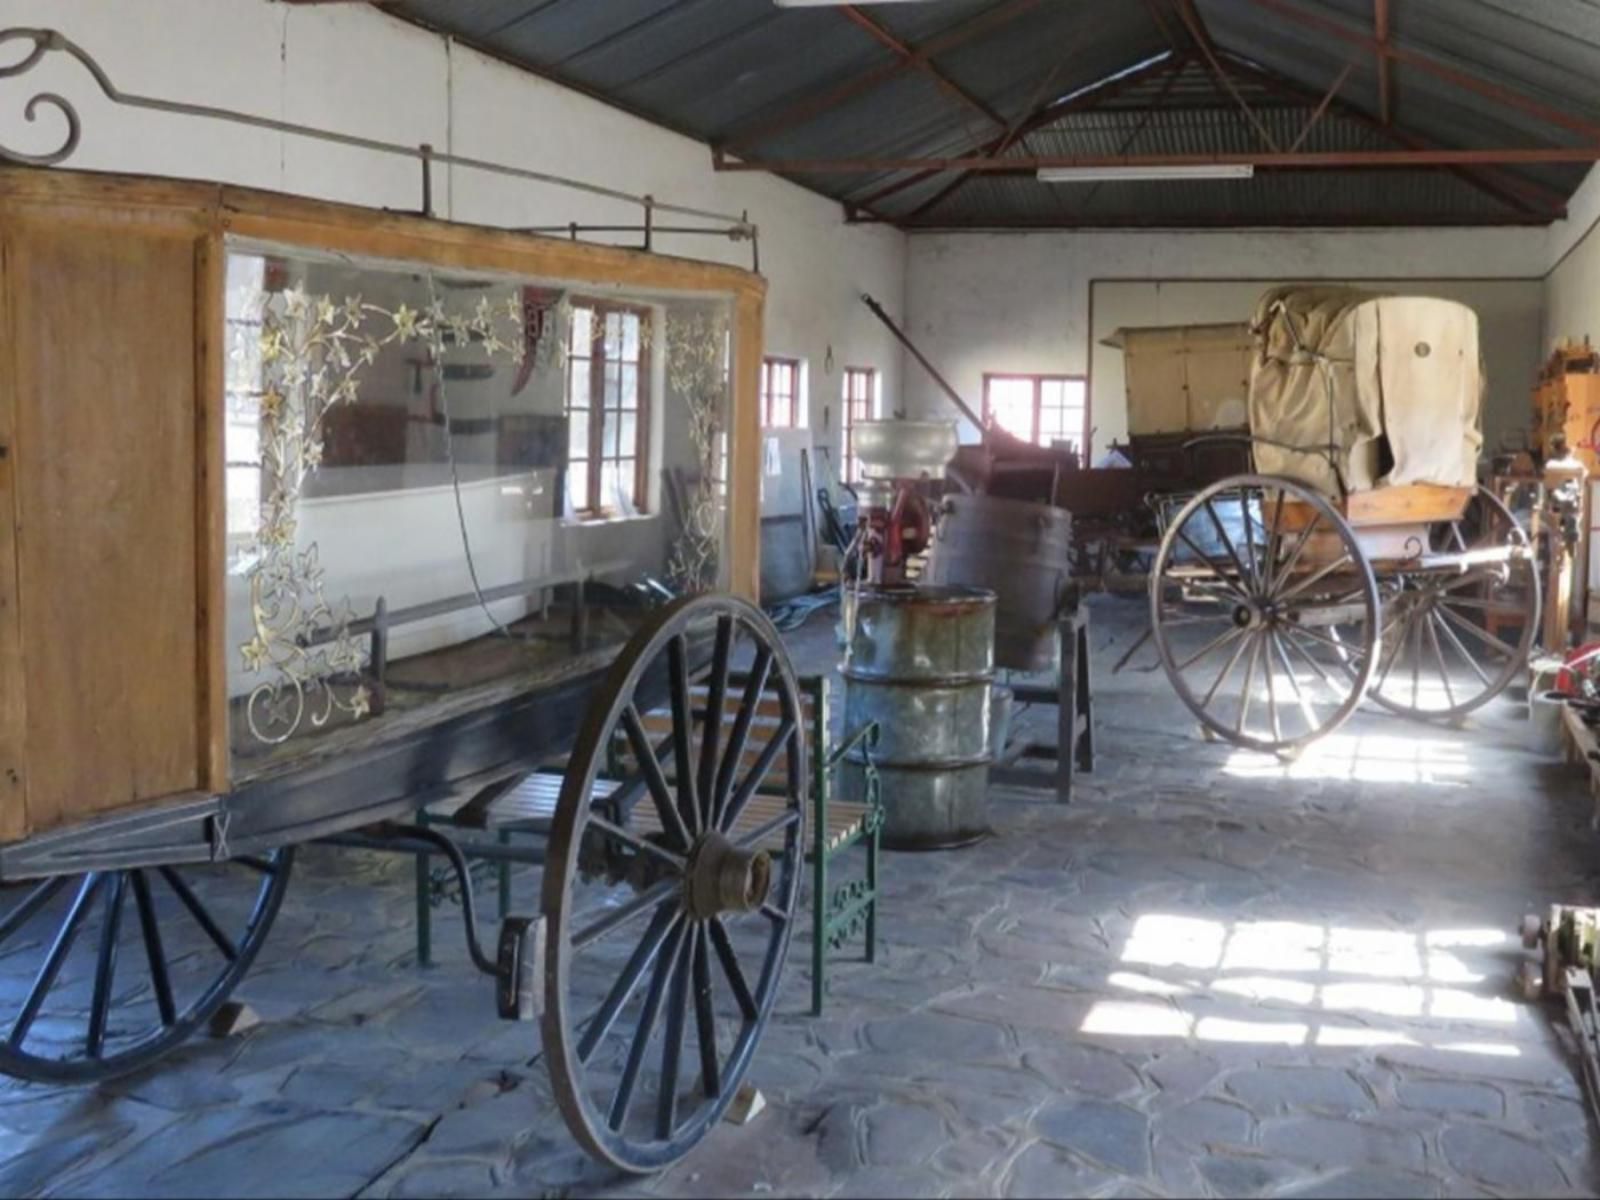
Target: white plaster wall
(996,301)
(350,68)
(1572,287)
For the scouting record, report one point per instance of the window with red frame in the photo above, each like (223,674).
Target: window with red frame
(1042,409)
(608,410)
(780,393)
(860,403)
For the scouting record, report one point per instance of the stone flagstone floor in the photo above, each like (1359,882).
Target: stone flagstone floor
(1211,974)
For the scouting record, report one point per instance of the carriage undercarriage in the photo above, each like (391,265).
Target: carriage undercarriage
(667,899)
(1275,612)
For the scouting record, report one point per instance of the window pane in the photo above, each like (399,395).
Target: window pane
(630,386)
(1011,404)
(578,434)
(613,383)
(608,434)
(577,486)
(628,435)
(582,330)
(630,338)
(616,485)
(579,393)
(1050,392)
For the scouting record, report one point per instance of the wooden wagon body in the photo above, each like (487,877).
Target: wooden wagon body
(192,480)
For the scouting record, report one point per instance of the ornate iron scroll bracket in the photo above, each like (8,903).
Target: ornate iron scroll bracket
(46,41)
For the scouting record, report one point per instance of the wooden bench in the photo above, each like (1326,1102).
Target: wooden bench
(839,911)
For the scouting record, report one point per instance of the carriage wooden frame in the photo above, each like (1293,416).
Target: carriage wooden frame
(115,766)
(1332,595)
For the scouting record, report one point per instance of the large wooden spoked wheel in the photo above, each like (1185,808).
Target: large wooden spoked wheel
(670,894)
(1264,612)
(103,973)
(1456,633)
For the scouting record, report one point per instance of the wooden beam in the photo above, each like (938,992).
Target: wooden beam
(806,108)
(1294,220)
(1500,94)
(1380,32)
(1502,185)
(1264,160)
(909,55)
(1037,115)
(1202,41)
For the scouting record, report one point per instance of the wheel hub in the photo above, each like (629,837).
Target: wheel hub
(1254,614)
(722,878)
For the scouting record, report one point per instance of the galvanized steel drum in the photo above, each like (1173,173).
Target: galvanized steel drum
(920,662)
(1023,552)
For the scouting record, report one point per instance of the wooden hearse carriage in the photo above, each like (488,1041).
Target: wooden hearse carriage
(1361,559)
(313,516)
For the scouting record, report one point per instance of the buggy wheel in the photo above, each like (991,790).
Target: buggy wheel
(1456,635)
(670,890)
(103,973)
(1264,612)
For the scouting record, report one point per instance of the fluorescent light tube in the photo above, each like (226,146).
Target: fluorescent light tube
(1151,172)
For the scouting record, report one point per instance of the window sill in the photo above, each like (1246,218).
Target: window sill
(585,521)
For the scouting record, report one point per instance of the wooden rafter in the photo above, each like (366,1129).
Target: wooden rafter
(1509,189)
(1506,96)
(1038,113)
(1203,43)
(1380,34)
(908,54)
(1262,159)
(806,108)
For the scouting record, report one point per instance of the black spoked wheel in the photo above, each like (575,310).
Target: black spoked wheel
(1460,615)
(1264,612)
(103,973)
(670,889)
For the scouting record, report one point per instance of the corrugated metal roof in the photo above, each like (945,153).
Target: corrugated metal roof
(811,83)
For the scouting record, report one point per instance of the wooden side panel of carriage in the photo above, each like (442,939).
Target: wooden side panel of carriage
(1389,523)
(113,655)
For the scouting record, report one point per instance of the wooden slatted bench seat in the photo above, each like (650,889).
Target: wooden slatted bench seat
(840,911)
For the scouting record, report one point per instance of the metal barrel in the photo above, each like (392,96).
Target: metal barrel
(920,662)
(1023,552)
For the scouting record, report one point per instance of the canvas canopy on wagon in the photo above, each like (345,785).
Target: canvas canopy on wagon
(1391,385)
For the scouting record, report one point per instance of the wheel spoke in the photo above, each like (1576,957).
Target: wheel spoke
(1221,640)
(1274,534)
(159,978)
(774,914)
(1288,637)
(682,730)
(731,969)
(604,1017)
(1460,648)
(1272,695)
(762,832)
(623,1098)
(51,967)
(1217,569)
(105,968)
(37,899)
(705,1017)
(1227,669)
(1249,678)
(634,841)
(623,913)
(660,792)
(755,685)
(758,772)
(1306,710)
(1416,653)
(199,913)
(711,725)
(1282,573)
(1438,654)
(1227,542)
(1483,635)
(672,1042)
(1315,577)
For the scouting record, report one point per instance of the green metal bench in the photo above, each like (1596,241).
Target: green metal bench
(840,911)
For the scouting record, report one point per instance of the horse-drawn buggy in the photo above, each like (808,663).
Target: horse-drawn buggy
(1360,559)
(312,517)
